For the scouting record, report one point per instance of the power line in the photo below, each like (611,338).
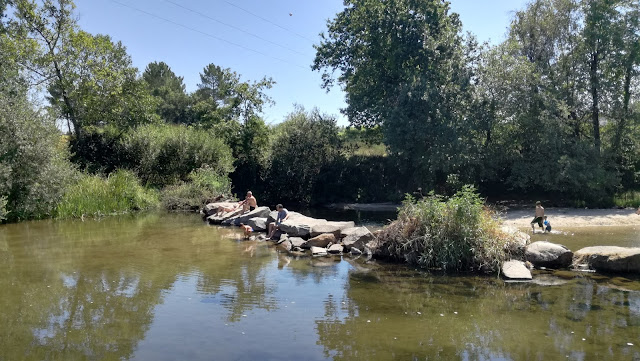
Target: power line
(234,27)
(267,20)
(206,34)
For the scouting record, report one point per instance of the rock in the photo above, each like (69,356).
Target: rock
(297,241)
(272,216)
(211,208)
(223,217)
(318,251)
(356,237)
(335,249)
(331,227)
(258,224)
(298,225)
(515,270)
(547,254)
(285,245)
(517,240)
(609,258)
(259,212)
(322,240)
(355,251)
(281,239)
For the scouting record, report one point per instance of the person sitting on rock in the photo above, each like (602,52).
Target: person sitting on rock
(249,203)
(283,215)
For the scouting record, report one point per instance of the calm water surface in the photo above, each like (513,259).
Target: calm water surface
(169,287)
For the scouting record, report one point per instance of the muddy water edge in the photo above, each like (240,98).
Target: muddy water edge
(168,287)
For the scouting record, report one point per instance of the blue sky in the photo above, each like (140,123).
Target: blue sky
(277,43)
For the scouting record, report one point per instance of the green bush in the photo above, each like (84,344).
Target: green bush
(95,196)
(34,168)
(627,199)
(162,155)
(3,208)
(455,235)
(204,186)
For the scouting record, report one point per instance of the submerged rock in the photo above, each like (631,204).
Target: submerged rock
(547,254)
(515,270)
(297,241)
(609,258)
(335,249)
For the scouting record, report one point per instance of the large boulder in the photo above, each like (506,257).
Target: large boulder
(609,258)
(547,254)
(299,225)
(331,227)
(515,270)
(224,217)
(258,224)
(356,237)
(211,208)
(260,212)
(322,240)
(318,251)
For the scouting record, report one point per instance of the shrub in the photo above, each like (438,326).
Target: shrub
(162,155)
(97,196)
(203,187)
(455,235)
(3,208)
(34,168)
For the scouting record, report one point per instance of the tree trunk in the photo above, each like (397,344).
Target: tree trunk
(595,108)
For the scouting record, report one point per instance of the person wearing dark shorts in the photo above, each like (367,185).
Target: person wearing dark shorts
(539,217)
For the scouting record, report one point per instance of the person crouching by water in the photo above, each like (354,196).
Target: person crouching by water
(283,215)
(547,225)
(539,217)
(247,230)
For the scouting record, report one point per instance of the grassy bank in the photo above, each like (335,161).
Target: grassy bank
(458,234)
(95,196)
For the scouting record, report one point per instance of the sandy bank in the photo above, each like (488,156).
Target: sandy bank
(572,217)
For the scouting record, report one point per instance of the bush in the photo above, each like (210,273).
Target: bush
(3,208)
(454,235)
(204,186)
(34,168)
(97,196)
(162,155)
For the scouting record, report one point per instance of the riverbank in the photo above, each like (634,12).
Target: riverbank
(574,217)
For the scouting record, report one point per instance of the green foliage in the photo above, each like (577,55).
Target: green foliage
(34,169)
(203,186)
(173,101)
(3,208)
(301,148)
(454,235)
(627,199)
(162,155)
(96,196)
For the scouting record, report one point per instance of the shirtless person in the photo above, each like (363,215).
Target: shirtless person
(250,203)
(539,217)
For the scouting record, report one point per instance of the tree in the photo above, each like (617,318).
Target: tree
(173,101)
(404,65)
(222,96)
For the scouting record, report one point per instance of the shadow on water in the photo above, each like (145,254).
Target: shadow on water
(167,287)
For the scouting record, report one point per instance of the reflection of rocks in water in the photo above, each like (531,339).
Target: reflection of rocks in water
(549,280)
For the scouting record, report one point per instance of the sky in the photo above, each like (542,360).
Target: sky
(254,38)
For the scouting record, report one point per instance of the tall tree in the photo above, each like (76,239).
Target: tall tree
(404,65)
(169,89)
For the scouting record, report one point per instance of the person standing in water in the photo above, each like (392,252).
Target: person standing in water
(539,217)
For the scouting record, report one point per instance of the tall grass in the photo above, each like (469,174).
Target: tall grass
(95,196)
(204,185)
(627,199)
(458,234)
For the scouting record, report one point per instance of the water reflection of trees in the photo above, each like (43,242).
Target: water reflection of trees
(88,290)
(396,314)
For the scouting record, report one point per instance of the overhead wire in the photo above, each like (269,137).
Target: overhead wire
(234,27)
(207,34)
(268,21)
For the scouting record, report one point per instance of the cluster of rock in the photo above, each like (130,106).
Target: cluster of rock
(298,233)
(543,254)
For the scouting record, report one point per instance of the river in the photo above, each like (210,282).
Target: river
(169,287)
